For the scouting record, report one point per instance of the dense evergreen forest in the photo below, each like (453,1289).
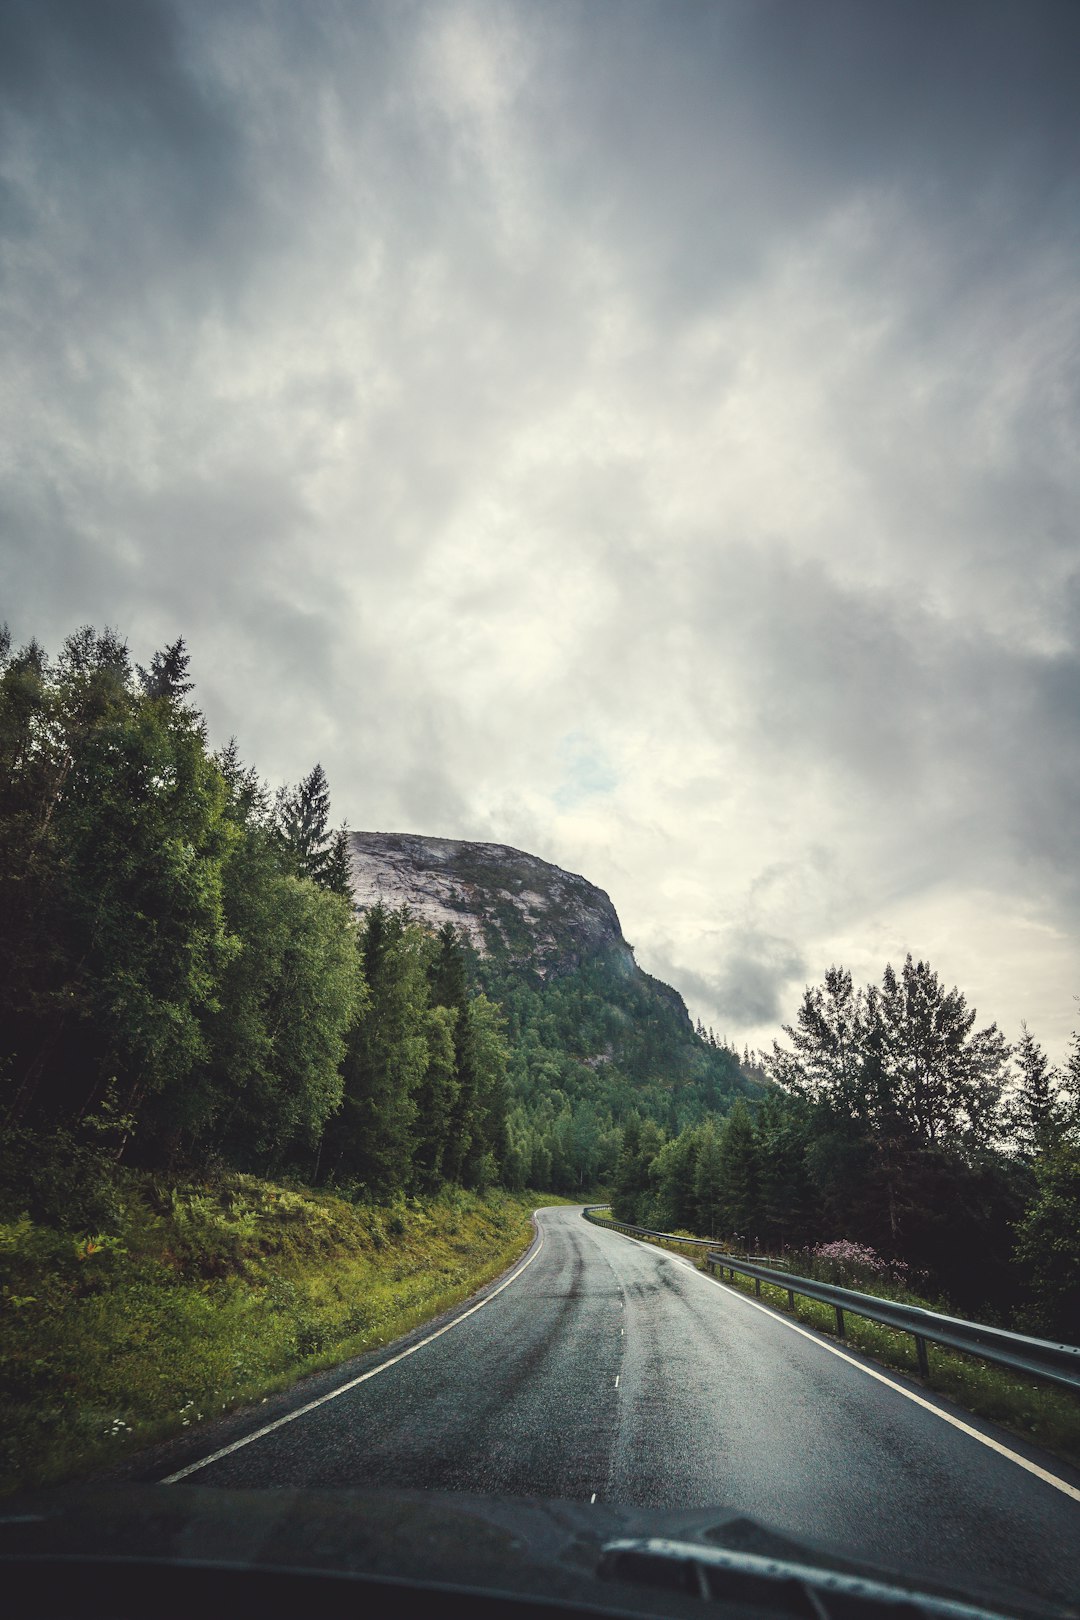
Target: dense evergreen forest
(184,983)
(591,1052)
(894,1125)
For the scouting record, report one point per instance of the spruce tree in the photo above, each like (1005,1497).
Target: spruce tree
(167,676)
(489,1144)
(1034,1112)
(449,987)
(674,1174)
(737,1161)
(301,817)
(1049,1244)
(371,1143)
(1070,1099)
(709,1184)
(629,1182)
(336,875)
(435,1099)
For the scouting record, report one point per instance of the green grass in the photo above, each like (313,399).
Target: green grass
(204,1297)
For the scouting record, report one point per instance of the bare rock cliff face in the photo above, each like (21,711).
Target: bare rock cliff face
(510,904)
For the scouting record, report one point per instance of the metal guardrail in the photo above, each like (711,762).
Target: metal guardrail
(1038,1358)
(590,1213)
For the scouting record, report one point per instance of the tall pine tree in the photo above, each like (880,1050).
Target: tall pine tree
(370,1144)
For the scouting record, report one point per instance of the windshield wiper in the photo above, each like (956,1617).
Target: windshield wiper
(749,1580)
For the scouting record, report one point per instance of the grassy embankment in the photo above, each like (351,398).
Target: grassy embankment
(1037,1411)
(203,1297)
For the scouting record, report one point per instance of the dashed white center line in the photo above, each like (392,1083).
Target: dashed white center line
(1030,1467)
(616,1380)
(592,1498)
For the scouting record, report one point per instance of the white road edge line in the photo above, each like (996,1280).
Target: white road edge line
(343,1389)
(872,1372)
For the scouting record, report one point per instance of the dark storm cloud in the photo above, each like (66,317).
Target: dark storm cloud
(127,160)
(748,989)
(695,387)
(730,128)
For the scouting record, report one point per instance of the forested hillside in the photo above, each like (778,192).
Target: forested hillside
(900,1140)
(595,1053)
(594,1043)
(185,983)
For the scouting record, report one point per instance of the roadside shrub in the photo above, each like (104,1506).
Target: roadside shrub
(60,1181)
(853,1265)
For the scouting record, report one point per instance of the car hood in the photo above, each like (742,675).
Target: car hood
(605,1557)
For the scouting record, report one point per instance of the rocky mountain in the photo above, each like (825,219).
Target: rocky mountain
(588,1028)
(511,905)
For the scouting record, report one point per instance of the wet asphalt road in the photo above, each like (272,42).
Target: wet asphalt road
(609,1366)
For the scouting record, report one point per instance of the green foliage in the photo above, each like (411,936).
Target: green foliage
(485,1127)
(590,1047)
(276,1077)
(787,1197)
(113,835)
(903,1059)
(737,1166)
(182,982)
(194,1298)
(164,951)
(942,1077)
(897,1101)
(308,847)
(1049,1244)
(167,676)
(1036,1108)
(888,1127)
(60,1178)
(436,1098)
(449,988)
(370,1146)
(674,1179)
(182,970)
(641,1144)
(708,1182)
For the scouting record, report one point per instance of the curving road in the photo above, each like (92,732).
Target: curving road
(608,1367)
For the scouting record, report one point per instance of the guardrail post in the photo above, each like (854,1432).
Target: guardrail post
(757,1286)
(839,1322)
(924,1359)
(791,1299)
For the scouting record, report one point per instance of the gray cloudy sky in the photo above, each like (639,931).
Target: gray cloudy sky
(643,434)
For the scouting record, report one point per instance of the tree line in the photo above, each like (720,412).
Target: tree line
(590,1052)
(183,980)
(892,1121)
